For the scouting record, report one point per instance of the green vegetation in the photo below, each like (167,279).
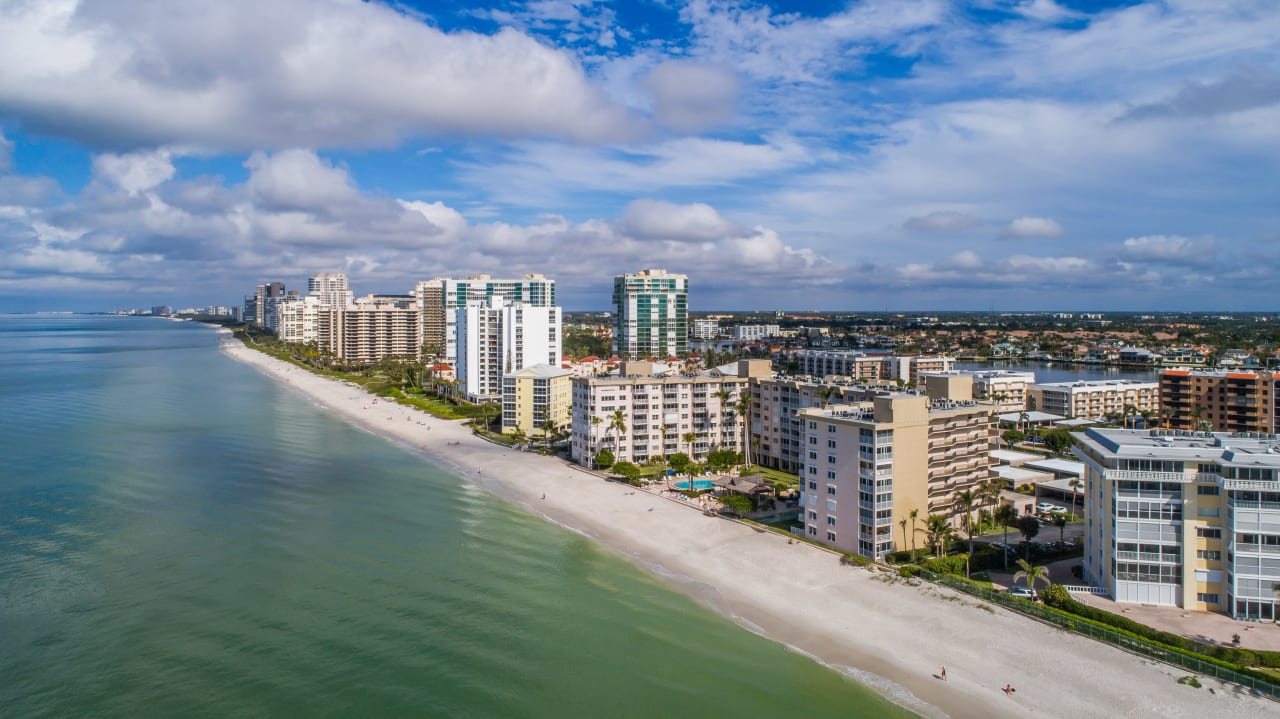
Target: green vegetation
(603,459)
(626,470)
(737,503)
(1189,681)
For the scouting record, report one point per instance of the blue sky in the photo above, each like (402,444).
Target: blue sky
(802,155)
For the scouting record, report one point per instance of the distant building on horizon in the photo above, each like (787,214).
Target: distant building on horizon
(651,315)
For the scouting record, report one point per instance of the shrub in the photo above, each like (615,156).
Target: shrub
(627,470)
(953,564)
(737,503)
(854,560)
(1056,596)
(908,571)
(604,459)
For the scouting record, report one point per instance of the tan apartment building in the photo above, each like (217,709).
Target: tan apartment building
(373,328)
(868,465)
(1184,519)
(1094,399)
(777,435)
(1228,401)
(659,414)
(537,399)
(854,364)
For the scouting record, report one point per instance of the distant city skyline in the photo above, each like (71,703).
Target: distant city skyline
(998,155)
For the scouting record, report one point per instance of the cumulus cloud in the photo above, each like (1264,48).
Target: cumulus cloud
(1033,227)
(242,74)
(134,172)
(690,97)
(1243,89)
(654,219)
(942,221)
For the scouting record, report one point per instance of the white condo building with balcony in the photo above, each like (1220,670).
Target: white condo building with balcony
(498,337)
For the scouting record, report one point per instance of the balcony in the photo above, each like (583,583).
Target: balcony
(1241,548)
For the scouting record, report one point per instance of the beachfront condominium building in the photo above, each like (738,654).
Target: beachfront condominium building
(372,328)
(777,436)
(1095,399)
(638,415)
(1224,401)
(754,333)
(537,400)
(260,308)
(1184,519)
(330,289)
(442,297)
(1005,390)
(868,465)
(497,337)
(651,315)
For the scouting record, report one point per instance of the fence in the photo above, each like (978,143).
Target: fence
(1128,643)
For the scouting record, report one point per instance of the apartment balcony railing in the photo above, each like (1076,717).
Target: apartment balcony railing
(1242,548)
(1149,557)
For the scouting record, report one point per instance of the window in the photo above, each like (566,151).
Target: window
(831,459)
(831,443)
(813,515)
(831,536)
(831,489)
(1208,598)
(813,485)
(831,521)
(831,474)
(831,428)
(1207,490)
(1208,554)
(813,470)
(1209,532)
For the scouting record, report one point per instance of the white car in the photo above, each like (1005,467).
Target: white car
(1024,592)
(1048,508)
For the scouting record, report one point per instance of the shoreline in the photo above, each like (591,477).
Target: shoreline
(888,635)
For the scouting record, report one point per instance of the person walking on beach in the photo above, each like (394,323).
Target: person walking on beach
(944,674)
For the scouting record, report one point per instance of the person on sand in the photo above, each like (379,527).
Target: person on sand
(944,674)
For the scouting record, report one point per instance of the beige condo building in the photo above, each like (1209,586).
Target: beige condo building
(1094,399)
(537,400)
(868,465)
(660,414)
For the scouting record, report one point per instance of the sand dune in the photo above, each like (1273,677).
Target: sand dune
(885,632)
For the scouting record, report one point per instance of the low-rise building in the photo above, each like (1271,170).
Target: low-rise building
(1095,399)
(537,400)
(1185,519)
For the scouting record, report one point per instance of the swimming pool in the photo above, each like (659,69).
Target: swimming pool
(697,484)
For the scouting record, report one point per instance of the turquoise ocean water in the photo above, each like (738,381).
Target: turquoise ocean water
(180,536)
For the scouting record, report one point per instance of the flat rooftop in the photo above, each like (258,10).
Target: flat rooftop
(1058,466)
(1009,456)
(1238,448)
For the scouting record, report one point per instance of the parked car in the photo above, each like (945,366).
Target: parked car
(1049,508)
(1024,592)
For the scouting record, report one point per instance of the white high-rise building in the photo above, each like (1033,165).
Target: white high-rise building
(442,297)
(330,289)
(651,314)
(497,337)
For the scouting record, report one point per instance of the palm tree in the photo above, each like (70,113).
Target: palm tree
(743,408)
(967,500)
(913,515)
(1031,574)
(825,394)
(1006,515)
(689,438)
(591,445)
(938,531)
(1129,411)
(1199,422)
(989,492)
(1167,414)
(1076,485)
(617,425)
(1060,521)
(903,523)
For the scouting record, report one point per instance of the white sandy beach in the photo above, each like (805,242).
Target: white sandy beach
(893,636)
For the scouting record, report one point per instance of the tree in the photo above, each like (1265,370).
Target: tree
(1129,412)
(679,462)
(743,408)
(603,459)
(1006,516)
(1076,485)
(689,438)
(737,503)
(989,492)
(1032,575)
(1013,436)
(627,470)
(967,501)
(617,424)
(914,515)
(1058,440)
(1029,527)
(1199,422)
(1060,521)
(722,459)
(938,532)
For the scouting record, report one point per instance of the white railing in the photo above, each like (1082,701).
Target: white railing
(1082,589)
(1129,474)
(1254,504)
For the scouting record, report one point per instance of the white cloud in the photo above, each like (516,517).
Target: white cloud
(1170,249)
(1034,227)
(297,179)
(654,219)
(242,74)
(135,172)
(690,97)
(942,221)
